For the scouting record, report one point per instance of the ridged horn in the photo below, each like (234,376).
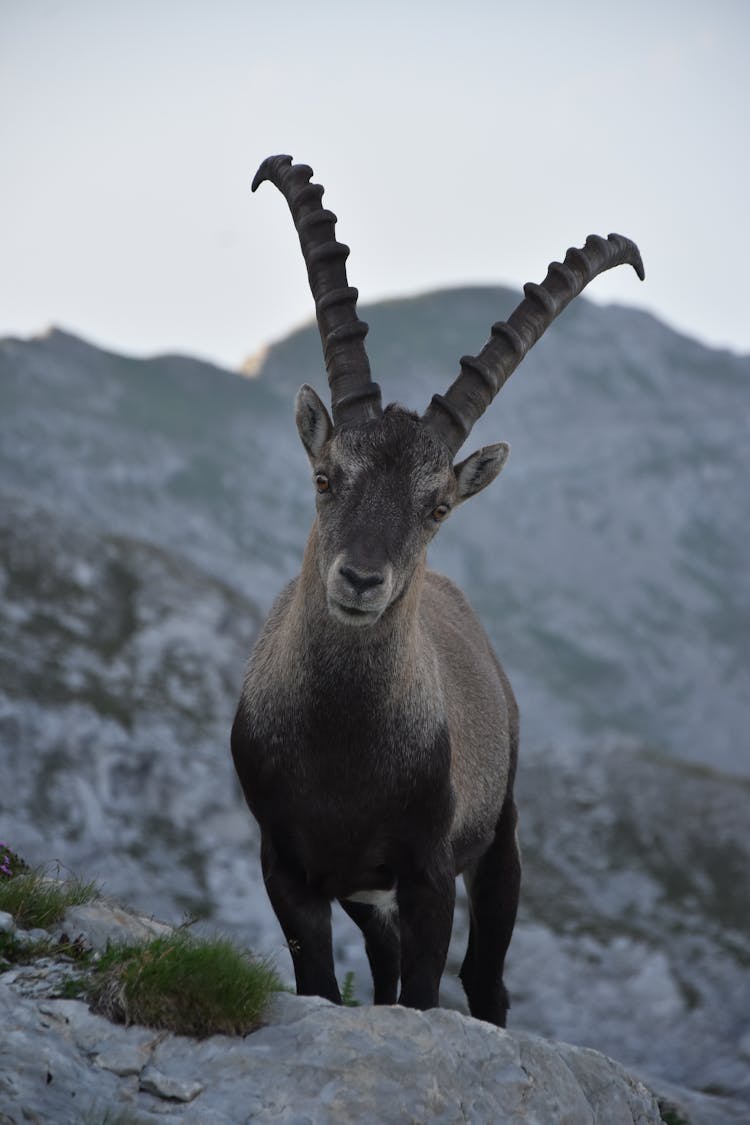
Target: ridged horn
(452,415)
(354,395)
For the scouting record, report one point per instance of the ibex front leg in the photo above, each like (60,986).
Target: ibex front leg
(305,918)
(426,898)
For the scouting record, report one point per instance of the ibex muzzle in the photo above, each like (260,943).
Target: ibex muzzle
(376,737)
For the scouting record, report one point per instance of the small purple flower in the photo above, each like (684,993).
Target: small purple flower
(5,860)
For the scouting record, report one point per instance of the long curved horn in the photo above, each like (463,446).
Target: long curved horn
(452,415)
(354,395)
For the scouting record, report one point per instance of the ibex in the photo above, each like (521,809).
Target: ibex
(376,737)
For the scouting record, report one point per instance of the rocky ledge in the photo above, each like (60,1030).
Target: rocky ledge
(310,1062)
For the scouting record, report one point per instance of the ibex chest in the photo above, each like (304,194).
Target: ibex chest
(345,776)
(351,747)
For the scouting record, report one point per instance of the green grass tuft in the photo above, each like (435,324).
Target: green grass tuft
(36,899)
(348,994)
(670,1115)
(176,983)
(74,988)
(183,985)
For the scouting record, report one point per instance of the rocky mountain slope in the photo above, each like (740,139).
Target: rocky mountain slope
(311,1061)
(149,510)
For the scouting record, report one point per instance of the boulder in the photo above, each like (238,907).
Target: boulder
(311,1062)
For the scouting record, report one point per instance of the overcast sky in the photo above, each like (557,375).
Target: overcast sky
(458,142)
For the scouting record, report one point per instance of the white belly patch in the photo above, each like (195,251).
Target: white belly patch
(383,901)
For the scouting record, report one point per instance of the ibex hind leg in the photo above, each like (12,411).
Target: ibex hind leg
(382,945)
(493,884)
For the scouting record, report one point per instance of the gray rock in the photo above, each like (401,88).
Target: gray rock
(7,923)
(44,1077)
(312,1062)
(165,1086)
(285,1007)
(393,1064)
(35,934)
(76,1023)
(128,1050)
(610,1100)
(103,923)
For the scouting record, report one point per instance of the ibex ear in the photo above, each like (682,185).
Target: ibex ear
(479,470)
(313,422)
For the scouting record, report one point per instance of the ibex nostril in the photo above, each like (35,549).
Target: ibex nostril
(359,581)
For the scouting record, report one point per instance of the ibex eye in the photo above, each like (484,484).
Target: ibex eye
(440,512)
(321,482)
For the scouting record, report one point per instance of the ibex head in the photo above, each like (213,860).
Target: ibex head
(386,479)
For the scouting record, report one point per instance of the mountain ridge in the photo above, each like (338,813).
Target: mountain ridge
(150,511)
